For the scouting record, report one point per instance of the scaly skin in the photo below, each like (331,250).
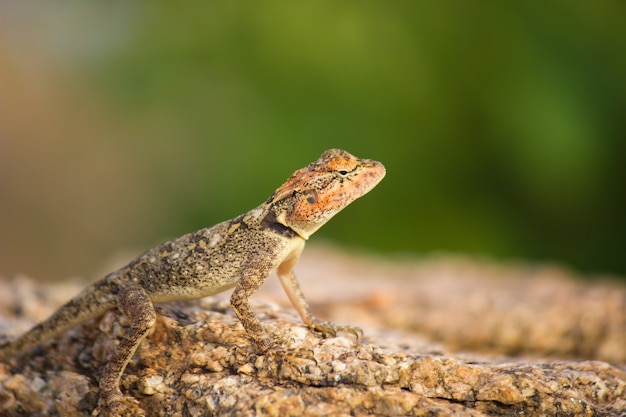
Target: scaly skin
(238,253)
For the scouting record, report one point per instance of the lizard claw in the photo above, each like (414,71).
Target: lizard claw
(264,345)
(119,406)
(328,329)
(356,331)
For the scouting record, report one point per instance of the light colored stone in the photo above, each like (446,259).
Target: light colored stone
(199,361)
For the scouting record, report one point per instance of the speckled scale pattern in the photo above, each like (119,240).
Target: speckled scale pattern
(205,262)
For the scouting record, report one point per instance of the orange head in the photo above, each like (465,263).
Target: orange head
(315,193)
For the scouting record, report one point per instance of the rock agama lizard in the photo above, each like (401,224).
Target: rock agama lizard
(238,253)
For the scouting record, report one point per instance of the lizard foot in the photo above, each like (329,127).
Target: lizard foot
(116,404)
(328,329)
(278,361)
(264,345)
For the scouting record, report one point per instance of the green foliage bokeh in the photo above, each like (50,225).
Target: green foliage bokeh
(501,123)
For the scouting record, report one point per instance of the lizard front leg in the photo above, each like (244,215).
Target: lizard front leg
(249,283)
(134,303)
(294,292)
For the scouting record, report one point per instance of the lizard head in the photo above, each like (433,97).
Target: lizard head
(315,193)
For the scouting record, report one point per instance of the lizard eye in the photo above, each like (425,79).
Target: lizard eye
(311,196)
(343,172)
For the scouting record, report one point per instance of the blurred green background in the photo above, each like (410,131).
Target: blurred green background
(502,124)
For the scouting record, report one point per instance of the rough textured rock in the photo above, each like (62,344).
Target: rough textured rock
(443,337)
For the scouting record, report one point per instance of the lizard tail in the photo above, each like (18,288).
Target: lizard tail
(90,303)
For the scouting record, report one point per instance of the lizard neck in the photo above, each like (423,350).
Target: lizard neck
(270,222)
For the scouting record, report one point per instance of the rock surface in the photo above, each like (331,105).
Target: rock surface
(443,337)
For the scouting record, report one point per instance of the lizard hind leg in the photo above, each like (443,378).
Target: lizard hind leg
(135,304)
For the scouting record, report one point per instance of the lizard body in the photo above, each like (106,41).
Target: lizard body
(238,253)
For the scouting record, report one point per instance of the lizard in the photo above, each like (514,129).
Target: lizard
(238,253)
